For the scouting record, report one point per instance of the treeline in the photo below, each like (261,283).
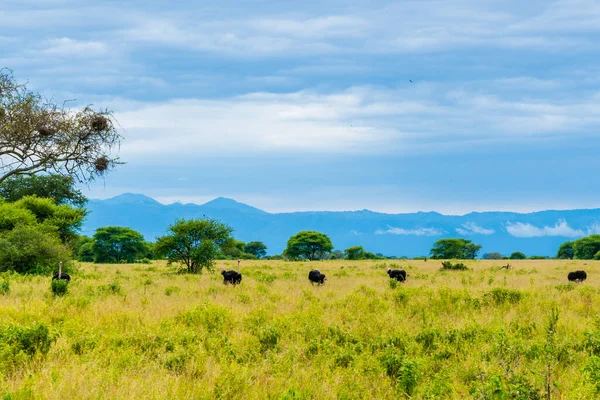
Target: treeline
(41,215)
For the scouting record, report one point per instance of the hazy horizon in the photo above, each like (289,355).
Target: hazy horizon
(203,200)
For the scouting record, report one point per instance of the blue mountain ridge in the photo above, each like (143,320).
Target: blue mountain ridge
(408,234)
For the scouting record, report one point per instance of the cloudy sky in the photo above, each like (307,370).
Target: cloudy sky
(394,106)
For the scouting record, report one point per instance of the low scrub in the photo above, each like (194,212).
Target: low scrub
(500,296)
(19,344)
(59,287)
(449,266)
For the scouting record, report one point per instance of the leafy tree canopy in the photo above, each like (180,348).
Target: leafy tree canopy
(59,188)
(63,220)
(115,244)
(355,253)
(565,251)
(32,248)
(38,135)
(257,249)
(517,255)
(492,256)
(586,247)
(457,248)
(310,245)
(194,243)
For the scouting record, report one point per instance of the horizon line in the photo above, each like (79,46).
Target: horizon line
(531,211)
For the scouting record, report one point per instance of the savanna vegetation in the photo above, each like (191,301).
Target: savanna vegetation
(132,331)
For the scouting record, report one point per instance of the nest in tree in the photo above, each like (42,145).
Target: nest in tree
(99,123)
(46,131)
(101,164)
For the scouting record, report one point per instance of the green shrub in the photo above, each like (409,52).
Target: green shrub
(212,317)
(565,287)
(112,288)
(32,249)
(405,372)
(269,337)
(393,283)
(169,290)
(449,266)
(20,344)
(592,369)
(499,296)
(59,287)
(5,287)
(293,394)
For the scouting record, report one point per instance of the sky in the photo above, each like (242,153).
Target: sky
(393,106)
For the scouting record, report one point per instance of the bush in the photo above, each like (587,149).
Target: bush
(448,265)
(32,249)
(592,369)
(59,287)
(112,288)
(5,287)
(501,295)
(19,344)
(403,371)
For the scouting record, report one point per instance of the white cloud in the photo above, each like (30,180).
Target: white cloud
(359,119)
(412,232)
(67,47)
(561,228)
(471,228)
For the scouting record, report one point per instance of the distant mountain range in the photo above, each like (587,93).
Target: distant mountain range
(538,233)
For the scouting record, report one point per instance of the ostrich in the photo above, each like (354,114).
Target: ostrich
(61,275)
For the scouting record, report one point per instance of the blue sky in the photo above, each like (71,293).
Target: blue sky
(309,105)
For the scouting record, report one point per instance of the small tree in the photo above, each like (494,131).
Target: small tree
(355,253)
(455,249)
(309,245)
(233,249)
(115,244)
(517,255)
(83,249)
(258,249)
(565,251)
(37,135)
(31,249)
(193,243)
(586,247)
(492,256)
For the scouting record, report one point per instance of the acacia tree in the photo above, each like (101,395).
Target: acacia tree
(457,248)
(355,253)
(38,135)
(258,249)
(308,244)
(194,243)
(114,244)
(517,255)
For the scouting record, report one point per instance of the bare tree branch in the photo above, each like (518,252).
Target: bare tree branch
(37,135)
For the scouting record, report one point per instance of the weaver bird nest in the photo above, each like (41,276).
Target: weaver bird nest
(101,164)
(99,123)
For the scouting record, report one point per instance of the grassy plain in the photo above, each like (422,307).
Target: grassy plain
(145,332)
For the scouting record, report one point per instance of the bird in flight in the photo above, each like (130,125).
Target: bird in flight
(410,81)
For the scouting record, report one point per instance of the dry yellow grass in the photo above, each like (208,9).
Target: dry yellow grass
(144,331)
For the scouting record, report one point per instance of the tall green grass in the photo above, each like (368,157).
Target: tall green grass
(144,331)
